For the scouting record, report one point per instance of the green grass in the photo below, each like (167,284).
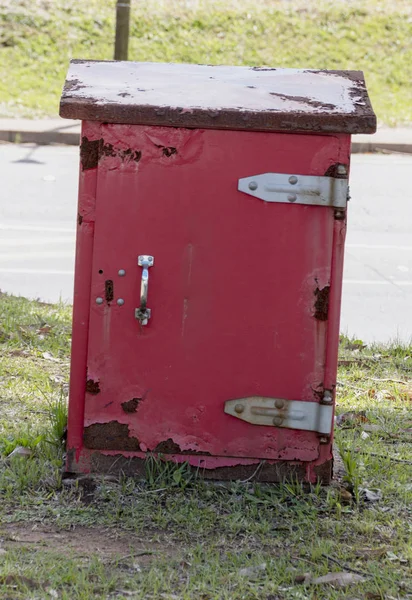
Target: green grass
(38,37)
(174,536)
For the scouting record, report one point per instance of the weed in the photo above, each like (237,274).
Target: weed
(161,473)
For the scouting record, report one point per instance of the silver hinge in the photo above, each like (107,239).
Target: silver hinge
(296,189)
(278,412)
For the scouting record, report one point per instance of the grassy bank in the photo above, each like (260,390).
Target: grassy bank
(174,537)
(38,37)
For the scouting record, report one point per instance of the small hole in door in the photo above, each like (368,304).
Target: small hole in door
(101,271)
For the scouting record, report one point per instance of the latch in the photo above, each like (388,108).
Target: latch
(297,189)
(278,412)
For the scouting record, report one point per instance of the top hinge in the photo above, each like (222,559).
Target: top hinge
(297,189)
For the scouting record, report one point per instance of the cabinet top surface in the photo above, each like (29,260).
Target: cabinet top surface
(218,97)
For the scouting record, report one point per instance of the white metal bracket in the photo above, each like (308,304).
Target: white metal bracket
(278,412)
(296,189)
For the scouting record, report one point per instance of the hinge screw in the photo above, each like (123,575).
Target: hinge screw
(253,186)
(277,421)
(293,179)
(279,403)
(239,408)
(292,197)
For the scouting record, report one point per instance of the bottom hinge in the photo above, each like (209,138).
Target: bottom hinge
(278,412)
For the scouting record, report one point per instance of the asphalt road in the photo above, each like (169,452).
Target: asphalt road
(37,224)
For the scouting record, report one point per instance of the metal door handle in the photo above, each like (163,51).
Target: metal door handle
(143,313)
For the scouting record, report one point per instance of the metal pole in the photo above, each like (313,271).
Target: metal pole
(122,30)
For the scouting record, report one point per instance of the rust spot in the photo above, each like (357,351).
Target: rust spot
(79,219)
(110,436)
(322,303)
(125,155)
(131,405)
(89,153)
(304,100)
(333,171)
(109,290)
(168,447)
(73,85)
(92,387)
(169,151)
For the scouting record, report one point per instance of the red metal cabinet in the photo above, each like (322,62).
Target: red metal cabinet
(211,227)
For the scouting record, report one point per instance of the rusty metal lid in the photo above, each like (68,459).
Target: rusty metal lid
(218,97)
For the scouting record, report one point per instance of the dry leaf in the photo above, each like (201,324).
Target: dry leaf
(15,580)
(371,496)
(252,571)
(371,552)
(21,451)
(303,579)
(345,496)
(48,356)
(351,419)
(44,330)
(341,579)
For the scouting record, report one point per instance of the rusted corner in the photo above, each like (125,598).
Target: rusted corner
(131,405)
(322,303)
(92,387)
(335,171)
(89,153)
(324,472)
(110,436)
(125,155)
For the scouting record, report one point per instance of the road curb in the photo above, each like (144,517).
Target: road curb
(57,135)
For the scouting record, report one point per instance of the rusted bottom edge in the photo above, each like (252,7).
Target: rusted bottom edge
(263,472)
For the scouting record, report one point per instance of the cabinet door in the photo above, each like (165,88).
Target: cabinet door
(237,293)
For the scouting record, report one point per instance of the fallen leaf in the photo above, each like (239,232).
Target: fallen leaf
(48,356)
(15,580)
(371,427)
(341,579)
(351,419)
(345,496)
(252,571)
(364,435)
(384,395)
(371,552)
(370,495)
(303,579)
(21,451)
(44,330)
